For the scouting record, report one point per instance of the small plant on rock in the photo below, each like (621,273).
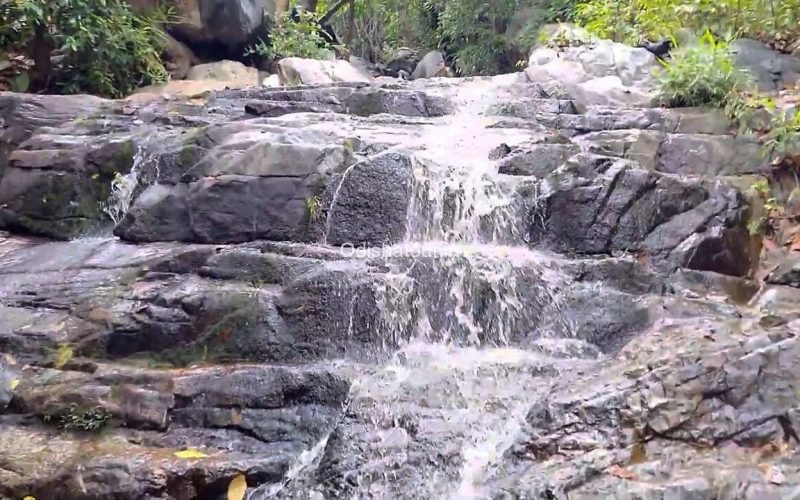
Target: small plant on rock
(782,142)
(701,75)
(74,418)
(312,208)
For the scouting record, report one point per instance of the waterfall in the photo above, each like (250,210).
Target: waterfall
(458,295)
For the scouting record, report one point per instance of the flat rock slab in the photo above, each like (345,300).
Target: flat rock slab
(249,420)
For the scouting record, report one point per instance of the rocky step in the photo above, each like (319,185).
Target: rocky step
(102,430)
(692,409)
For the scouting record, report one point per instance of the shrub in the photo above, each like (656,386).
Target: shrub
(700,75)
(633,21)
(102,47)
(293,39)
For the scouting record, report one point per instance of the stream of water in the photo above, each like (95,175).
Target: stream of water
(453,300)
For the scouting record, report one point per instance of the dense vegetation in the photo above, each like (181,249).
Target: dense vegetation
(94,46)
(101,47)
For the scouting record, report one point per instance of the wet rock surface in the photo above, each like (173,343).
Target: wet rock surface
(403,290)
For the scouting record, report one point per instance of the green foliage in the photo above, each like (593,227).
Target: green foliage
(74,418)
(103,47)
(475,31)
(758,224)
(293,39)
(633,21)
(782,142)
(312,208)
(700,75)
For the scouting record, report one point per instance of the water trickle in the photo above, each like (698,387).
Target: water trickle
(332,205)
(144,171)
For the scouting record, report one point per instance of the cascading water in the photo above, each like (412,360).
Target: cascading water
(459,296)
(143,171)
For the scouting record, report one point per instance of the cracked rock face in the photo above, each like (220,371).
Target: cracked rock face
(403,290)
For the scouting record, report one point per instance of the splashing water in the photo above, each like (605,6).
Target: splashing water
(123,187)
(458,195)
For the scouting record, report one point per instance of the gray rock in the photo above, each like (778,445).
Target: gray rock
(160,213)
(367,204)
(539,160)
(690,154)
(606,206)
(431,65)
(608,91)
(771,70)
(786,273)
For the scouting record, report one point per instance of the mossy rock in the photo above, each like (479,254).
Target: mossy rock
(66,204)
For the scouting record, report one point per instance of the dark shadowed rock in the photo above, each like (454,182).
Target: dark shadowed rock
(771,69)
(367,204)
(604,207)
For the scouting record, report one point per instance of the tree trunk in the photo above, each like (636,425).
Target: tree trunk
(41,49)
(351,25)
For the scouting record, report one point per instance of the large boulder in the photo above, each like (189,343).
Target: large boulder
(227,71)
(600,73)
(603,58)
(431,65)
(52,188)
(298,71)
(368,203)
(772,70)
(207,24)
(599,205)
(239,183)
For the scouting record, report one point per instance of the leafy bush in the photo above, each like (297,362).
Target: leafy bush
(701,75)
(633,21)
(102,47)
(782,142)
(293,39)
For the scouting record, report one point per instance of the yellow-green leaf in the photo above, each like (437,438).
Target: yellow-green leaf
(29,497)
(13,383)
(63,355)
(237,487)
(190,453)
